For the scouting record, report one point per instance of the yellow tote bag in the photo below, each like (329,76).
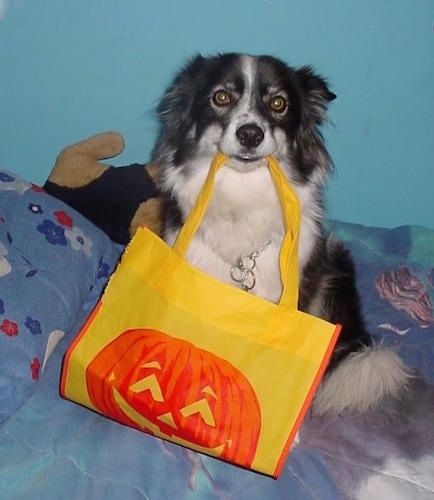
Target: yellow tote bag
(176,353)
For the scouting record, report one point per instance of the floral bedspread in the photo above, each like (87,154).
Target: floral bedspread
(53,266)
(51,259)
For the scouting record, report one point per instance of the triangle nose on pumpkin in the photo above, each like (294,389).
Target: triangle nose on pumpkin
(167,418)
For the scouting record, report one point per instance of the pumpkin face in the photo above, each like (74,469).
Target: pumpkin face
(172,389)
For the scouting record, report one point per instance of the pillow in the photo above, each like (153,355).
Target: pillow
(51,260)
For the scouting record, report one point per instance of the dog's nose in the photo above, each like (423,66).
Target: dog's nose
(250,135)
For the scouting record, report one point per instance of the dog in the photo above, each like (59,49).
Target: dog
(249,107)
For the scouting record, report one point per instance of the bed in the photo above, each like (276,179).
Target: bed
(54,264)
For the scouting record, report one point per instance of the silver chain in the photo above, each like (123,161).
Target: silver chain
(244,270)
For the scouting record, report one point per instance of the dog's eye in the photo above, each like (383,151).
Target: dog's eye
(278,104)
(221,98)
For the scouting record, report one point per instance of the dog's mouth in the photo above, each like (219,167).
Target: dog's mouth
(247,158)
(246,163)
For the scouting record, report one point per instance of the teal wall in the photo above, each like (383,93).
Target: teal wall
(69,69)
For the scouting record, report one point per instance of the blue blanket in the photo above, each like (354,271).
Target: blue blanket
(53,266)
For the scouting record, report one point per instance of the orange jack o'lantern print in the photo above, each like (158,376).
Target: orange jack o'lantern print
(172,389)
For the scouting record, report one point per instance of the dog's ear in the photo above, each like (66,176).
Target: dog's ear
(175,105)
(309,144)
(174,109)
(316,93)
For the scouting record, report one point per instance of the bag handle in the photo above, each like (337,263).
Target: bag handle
(288,259)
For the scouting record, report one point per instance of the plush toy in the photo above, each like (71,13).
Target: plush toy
(116,199)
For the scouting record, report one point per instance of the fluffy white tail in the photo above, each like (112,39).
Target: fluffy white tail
(361,381)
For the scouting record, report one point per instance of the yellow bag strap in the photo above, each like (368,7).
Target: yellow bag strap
(291,215)
(291,211)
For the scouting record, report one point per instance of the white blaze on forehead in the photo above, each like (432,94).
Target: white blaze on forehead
(248,69)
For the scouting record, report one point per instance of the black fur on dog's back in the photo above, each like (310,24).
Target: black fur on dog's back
(331,267)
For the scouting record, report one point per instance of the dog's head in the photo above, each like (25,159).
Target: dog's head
(247,107)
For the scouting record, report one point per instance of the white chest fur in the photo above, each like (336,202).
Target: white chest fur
(243,215)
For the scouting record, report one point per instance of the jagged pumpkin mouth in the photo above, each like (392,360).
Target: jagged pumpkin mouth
(168,419)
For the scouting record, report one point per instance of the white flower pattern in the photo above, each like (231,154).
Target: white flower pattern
(5,267)
(79,241)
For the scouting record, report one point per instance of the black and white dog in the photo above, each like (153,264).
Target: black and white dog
(249,107)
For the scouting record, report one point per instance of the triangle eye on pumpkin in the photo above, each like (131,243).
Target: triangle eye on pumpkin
(202,407)
(149,383)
